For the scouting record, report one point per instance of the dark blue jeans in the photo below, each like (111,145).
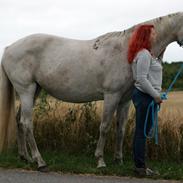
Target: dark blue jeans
(141,101)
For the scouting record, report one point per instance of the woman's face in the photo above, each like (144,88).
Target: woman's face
(153,35)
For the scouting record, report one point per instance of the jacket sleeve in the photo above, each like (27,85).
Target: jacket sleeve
(143,65)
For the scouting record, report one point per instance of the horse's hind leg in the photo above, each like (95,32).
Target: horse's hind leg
(21,140)
(25,125)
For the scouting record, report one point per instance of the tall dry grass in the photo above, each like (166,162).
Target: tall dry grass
(75,127)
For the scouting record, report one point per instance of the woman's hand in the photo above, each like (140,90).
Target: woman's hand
(158,100)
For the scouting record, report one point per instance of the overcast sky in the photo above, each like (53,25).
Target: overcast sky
(81,19)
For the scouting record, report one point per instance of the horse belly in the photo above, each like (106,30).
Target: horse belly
(76,94)
(71,87)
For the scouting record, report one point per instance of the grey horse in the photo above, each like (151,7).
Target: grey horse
(74,71)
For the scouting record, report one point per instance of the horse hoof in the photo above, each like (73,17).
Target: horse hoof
(44,169)
(101,166)
(101,163)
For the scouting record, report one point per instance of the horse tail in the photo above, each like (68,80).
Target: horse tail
(7,111)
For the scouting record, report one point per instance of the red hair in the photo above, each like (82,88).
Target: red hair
(139,40)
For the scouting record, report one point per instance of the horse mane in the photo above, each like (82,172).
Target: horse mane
(156,22)
(101,39)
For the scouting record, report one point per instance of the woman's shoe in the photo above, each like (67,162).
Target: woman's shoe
(145,172)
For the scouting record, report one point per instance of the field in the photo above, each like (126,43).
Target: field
(67,135)
(75,127)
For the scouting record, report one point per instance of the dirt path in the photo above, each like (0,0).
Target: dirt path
(23,176)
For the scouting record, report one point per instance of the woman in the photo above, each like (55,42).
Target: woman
(147,73)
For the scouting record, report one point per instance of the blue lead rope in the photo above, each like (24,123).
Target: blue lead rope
(155,109)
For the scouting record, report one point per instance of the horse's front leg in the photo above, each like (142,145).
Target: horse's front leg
(122,115)
(110,104)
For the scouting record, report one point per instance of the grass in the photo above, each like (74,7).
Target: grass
(74,128)
(85,164)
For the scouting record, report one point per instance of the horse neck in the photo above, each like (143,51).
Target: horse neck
(166,33)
